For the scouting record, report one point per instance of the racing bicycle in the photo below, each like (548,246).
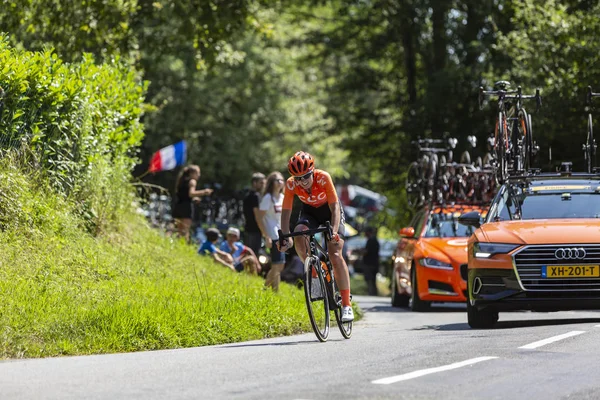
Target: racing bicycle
(421,175)
(514,147)
(589,148)
(320,288)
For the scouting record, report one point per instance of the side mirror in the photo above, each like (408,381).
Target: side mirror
(472,218)
(407,232)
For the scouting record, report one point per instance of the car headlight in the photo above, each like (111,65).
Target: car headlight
(433,263)
(486,250)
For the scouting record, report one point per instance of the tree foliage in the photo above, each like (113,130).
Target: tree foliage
(248,82)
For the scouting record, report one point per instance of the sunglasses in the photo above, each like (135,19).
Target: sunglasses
(303,177)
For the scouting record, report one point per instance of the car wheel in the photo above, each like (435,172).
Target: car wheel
(485,318)
(416,303)
(398,300)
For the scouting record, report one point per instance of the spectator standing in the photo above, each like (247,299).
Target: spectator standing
(185,194)
(208,248)
(371,260)
(269,222)
(251,204)
(243,256)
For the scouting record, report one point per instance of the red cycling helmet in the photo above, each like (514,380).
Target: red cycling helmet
(301,163)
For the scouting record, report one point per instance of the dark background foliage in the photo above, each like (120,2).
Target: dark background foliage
(248,82)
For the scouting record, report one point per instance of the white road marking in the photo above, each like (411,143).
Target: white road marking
(597,326)
(553,339)
(422,372)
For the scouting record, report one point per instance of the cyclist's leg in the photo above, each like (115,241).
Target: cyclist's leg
(340,268)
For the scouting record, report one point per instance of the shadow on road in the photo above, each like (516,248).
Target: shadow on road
(510,324)
(543,322)
(434,309)
(297,343)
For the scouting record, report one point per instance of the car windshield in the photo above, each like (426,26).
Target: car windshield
(520,204)
(446,225)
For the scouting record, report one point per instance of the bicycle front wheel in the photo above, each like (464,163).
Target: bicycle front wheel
(316,297)
(345,327)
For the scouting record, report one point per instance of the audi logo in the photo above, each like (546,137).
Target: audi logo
(570,253)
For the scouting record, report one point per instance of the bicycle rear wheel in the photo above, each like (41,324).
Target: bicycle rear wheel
(590,154)
(529,144)
(414,185)
(519,139)
(316,297)
(345,327)
(500,153)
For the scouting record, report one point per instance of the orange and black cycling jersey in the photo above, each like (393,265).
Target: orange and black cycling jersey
(322,191)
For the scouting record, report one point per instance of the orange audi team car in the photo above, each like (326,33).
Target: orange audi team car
(538,249)
(430,261)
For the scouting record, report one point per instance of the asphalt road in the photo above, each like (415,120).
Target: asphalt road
(393,354)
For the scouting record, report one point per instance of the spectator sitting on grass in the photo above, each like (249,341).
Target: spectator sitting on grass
(209,248)
(243,256)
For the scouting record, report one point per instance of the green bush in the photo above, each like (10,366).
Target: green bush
(77,125)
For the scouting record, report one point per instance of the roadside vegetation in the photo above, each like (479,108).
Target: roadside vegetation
(64,291)
(80,271)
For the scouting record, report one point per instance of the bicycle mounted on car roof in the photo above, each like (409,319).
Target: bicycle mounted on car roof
(440,180)
(514,147)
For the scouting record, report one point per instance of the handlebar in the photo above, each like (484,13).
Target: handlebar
(512,95)
(589,95)
(309,232)
(428,141)
(450,143)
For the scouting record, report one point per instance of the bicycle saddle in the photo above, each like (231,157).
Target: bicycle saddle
(472,139)
(452,142)
(502,85)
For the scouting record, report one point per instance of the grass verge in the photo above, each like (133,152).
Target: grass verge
(66,292)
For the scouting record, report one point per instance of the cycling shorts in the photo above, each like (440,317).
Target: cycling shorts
(313,217)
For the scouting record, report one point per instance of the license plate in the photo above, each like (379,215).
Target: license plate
(570,271)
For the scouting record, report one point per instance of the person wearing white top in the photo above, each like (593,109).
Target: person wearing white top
(269,223)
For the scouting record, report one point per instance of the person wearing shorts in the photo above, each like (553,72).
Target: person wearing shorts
(320,203)
(270,222)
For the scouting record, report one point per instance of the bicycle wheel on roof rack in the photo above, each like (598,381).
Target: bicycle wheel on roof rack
(520,136)
(500,143)
(529,144)
(590,144)
(414,189)
(316,297)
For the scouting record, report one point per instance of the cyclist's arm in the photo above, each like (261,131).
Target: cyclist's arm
(335,216)
(288,202)
(285,220)
(333,203)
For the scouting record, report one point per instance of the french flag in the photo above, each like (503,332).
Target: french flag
(169,157)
